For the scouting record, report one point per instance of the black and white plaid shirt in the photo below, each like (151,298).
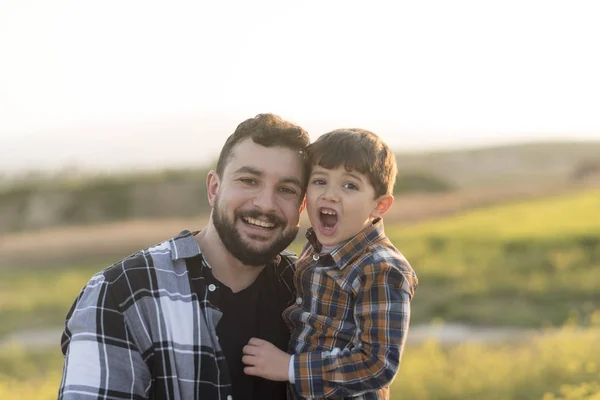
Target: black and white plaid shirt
(145,328)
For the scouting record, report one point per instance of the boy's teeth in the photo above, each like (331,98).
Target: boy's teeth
(328,212)
(260,223)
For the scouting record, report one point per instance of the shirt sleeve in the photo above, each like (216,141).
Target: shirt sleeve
(101,357)
(382,314)
(291,377)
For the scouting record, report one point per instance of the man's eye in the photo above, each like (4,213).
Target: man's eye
(350,186)
(287,190)
(248,181)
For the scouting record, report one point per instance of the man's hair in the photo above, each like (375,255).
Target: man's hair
(359,150)
(267,130)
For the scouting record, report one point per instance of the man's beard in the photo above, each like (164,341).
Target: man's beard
(234,243)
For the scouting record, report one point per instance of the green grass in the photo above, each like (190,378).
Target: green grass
(529,264)
(547,219)
(32,375)
(537,266)
(550,365)
(525,283)
(36,298)
(562,365)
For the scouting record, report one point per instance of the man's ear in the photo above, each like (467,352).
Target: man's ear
(383,204)
(212,187)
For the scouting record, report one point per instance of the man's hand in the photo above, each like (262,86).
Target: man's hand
(265,360)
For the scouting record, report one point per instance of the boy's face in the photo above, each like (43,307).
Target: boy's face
(339,203)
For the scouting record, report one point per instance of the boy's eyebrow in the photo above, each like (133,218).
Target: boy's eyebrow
(319,170)
(358,177)
(355,176)
(256,172)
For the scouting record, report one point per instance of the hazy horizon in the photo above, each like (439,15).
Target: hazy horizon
(136,84)
(196,142)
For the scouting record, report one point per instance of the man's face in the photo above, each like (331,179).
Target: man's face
(258,200)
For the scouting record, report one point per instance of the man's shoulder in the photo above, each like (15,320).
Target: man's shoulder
(139,268)
(138,262)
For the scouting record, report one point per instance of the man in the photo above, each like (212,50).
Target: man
(170,321)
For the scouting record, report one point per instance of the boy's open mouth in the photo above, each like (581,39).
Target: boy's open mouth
(328,217)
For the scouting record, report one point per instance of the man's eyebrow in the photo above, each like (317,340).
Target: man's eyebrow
(256,172)
(248,170)
(292,180)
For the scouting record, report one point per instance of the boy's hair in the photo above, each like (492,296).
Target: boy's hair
(267,130)
(360,150)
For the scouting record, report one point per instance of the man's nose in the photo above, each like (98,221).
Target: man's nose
(265,200)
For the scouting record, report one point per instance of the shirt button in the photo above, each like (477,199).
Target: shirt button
(299,300)
(315,257)
(212,287)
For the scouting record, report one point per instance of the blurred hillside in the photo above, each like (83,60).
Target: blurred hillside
(467,178)
(530,163)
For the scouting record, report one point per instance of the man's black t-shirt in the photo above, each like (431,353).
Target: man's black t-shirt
(252,312)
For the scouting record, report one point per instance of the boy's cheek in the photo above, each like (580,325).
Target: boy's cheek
(310,202)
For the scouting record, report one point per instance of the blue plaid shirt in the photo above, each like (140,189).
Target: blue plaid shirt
(145,328)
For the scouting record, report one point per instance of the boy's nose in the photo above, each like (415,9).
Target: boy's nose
(330,194)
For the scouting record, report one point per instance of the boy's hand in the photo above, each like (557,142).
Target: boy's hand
(265,360)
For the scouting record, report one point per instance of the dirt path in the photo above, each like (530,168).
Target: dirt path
(448,334)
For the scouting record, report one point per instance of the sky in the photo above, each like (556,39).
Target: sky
(113,84)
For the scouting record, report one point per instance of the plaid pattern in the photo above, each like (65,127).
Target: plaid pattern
(349,330)
(145,328)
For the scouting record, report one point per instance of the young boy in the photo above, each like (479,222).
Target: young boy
(354,288)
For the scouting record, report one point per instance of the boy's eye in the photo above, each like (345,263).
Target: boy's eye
(318,182)
(350,186)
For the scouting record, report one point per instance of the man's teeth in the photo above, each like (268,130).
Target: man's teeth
(328,212)
(257,222)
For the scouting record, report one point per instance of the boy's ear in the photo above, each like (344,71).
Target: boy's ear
(212,187)
(383,204)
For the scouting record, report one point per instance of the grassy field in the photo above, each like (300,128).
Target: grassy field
(527,264)
(562,365)
(38,298)
(530,264)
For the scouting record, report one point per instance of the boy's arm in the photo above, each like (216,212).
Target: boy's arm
(100,354)
(382,313)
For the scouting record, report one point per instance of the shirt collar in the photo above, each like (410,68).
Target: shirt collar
(343,255)
(184,245)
